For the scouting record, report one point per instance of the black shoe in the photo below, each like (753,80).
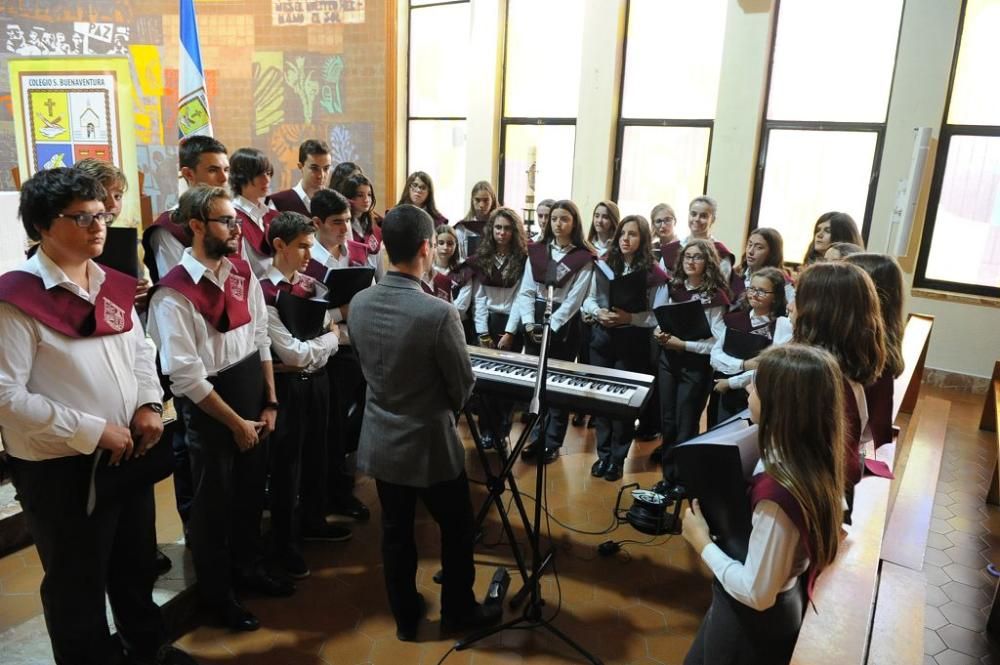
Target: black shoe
(480,616)
(171,655)
(530,451)
(578,419)
(407,631)
(329,533)
(486,441)
(262,582)
(656,457)
(599,469)
(591,423)
(162,563)
(234,616)
(351,507)
(294,565)
(614,472)
(551,455)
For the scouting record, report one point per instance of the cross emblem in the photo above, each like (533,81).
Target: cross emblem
(49,104)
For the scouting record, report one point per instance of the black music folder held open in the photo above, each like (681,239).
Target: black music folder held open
(716,468)
(304,317)
(345,283)
(684,320)
(627,292)
(744,345)
(121,250)
(472,240)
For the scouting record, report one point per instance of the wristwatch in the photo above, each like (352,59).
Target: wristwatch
(153,406)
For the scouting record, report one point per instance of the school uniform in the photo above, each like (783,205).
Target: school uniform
(670,252)
(685,377)
(878,399)
(255,221)
(72,361)
(623,348)
(568,270)
(587,329)
(345,379)
(211,331)
(371,239)
(725,405)
(855,422)
(739,282)
(758,604)
(494,314)
(459,286)
(292,200)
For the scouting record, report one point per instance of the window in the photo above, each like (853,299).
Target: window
(541,90)
(821,141)
(668,102)
(436,112)
(960,248)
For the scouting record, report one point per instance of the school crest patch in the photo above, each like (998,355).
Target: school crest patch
(114,316)
(237,287)
(372,243)
(561,271)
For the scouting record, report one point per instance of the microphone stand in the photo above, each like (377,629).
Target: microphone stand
(531,617)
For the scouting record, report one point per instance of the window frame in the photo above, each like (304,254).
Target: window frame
(946,133)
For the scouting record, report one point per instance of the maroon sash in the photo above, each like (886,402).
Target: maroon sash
(764,487)
(372,242)
(878,396)
(489,275)
(315,269)
(255,236)
(740,320)
(304,288)
(288,201)
(724,253)
(669,253)
(148,255)
(656,277)
(225,313)
(681,294)
(564,270)
(737,285)
(68,313)
(439,287)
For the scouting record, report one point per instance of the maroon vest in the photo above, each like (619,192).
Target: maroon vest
(564,270)
(740,320)
(255,236)
(489,275)
(372,242)
(67,313)
(681,294)
(878,396)
(288,201)
(764,487)
(656,277)
(439,287)
(162,223)
(304,288)
(224,311)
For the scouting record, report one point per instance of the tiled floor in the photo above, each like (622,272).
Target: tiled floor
(642,605)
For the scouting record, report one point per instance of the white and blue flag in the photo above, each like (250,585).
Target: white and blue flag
(192,99)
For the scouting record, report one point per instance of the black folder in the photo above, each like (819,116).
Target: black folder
(716,468)
(627,292)
(345,283)
(121,250)
(684,320)
(744,345)
(304,317)
(472,240)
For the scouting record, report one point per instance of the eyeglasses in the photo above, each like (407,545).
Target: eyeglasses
(754,291)
(694,258)
(85,219)
(665,220)
(230,222)
(417,187)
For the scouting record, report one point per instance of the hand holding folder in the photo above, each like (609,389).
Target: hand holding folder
(304,317)
(627,292)
(684,320)
(345,283)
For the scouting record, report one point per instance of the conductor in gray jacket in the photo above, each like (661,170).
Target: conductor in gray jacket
(412,352)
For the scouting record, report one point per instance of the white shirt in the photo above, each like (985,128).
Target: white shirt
(191,350)
(495,300)
(570,296)
(167,250)
(259,263)
(310,355)
(300,190)
(715,322)
(57,393)
(645,319)
(727,364)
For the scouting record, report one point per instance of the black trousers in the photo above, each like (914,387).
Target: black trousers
(111,551)
(625,349)
(227,505)
(723,406)
(649,417)
(563,345)
(298,453)
(733,634)
(183,490)
(449,504)
(496,413)
(347,410)
(685,380)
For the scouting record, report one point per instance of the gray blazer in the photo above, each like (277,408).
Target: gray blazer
(413,355)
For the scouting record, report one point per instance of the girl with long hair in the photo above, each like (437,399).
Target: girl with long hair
(837,308)
(482,203)
(888,279)
(623,328)
(757,606)
(684,372)
(762,312)
(419,191)
(564,259)
(702,213)
(831,227)
(498,268)
(250,173)
(765,249)
(542,217)
(365,222)
(664,224)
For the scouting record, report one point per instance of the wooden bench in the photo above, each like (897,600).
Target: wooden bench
(851,602)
